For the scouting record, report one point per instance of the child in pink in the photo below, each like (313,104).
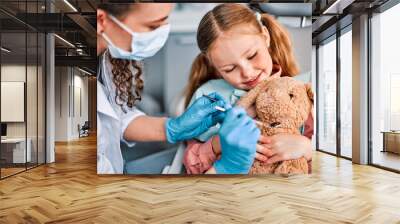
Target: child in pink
(238,49)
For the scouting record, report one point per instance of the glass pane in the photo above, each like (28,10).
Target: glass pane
(327,97)
(41,99)
(386,89)
(32,98)
(346,94)
(23,82)
(13,86)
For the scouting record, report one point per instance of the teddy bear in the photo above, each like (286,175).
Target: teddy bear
(282,105)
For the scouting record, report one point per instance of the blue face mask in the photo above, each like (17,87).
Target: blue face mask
(143,45)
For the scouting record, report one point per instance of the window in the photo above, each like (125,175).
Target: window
(385,89)
(327,97)
(22,76)
(346,94)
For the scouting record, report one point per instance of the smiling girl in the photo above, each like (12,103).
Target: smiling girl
(238,50)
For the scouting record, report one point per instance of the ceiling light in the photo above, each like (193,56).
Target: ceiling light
(65,41)
(79,51)
(326,11)
(84,71)
(338,6)
(70,5)
(305,21)
(5,49)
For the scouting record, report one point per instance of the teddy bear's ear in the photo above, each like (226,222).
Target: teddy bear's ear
(310,93)
(249,99)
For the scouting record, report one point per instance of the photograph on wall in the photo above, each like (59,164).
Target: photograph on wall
(217,88)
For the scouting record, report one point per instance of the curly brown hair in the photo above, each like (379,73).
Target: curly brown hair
(123,80)
(122,77)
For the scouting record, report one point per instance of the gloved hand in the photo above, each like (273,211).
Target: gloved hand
(198,118)
(238,136)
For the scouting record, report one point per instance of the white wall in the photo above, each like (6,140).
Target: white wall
(79,117)
(67,114)
(33,126)
(17,73)
(61,103)
(14,73)
(301,40)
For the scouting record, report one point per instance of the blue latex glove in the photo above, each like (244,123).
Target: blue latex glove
(238,136)
(198,118)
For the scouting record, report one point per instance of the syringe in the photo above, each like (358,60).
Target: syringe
(259,123)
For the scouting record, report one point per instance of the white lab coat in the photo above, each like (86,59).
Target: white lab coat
(111,125)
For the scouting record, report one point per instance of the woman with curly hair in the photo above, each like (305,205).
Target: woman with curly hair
(126,34)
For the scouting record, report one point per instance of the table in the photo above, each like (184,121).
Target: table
(391,141)
(13,150)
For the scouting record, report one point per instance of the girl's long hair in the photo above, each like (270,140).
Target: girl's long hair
(223,18)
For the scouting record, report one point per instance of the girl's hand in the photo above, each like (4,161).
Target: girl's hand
(251,111)
(261,151)
(216,145)
(285,147)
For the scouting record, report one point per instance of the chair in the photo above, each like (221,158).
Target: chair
(84,130)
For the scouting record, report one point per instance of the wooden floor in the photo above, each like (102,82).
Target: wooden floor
(69,191)
(10,171)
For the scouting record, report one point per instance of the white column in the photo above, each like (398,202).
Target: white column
(50,93)
(360,90)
